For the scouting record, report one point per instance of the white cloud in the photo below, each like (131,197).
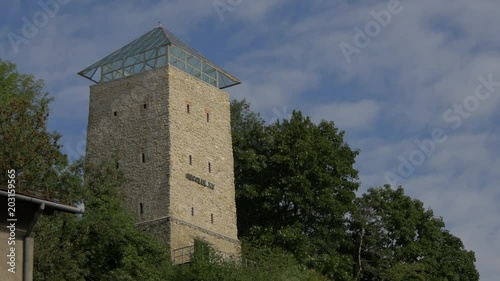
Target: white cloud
(255,11)
(349,116)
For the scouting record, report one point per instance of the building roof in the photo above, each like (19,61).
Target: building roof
(149,44)
(28,208)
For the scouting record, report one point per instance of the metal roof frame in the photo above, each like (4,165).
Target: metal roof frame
(145,53)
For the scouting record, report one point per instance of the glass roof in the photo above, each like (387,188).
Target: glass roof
(152,50)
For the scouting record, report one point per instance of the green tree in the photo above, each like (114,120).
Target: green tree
(26,145)
(271,264)
(297,187)
(102,245)
(397,239)
(250,142)
(310,190)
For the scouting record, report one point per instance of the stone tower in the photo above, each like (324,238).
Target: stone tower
(158,108)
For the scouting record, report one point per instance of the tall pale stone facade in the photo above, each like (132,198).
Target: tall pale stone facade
(160,111)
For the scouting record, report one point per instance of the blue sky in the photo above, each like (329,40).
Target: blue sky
(411,91)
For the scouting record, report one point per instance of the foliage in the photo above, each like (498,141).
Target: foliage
(103,244)
(295,184)
(27,146)
(298,215)
(250,142)
(277,264)
(397,239)
(271,265)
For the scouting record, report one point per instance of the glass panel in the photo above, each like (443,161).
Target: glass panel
(150,54)
(139,57)
(138,68)
(151,63)
(195,62)
(116,74)
(107,77)
(106,68)
(162,50)
(150,51)
(155,44)
(219,78)
(208,70)
(213,81)
(189,69)
(177,52)
(117,64)
(225,81)
(197,73)
(180,65)
(212,74)
(151,41)
(128,71)
(161,61)
(172,59)
(90,73)
(130,61)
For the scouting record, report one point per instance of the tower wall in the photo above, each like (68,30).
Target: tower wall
(143,121)
(128,118)
(193,205)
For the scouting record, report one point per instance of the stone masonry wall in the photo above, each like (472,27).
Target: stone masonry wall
(128,117)
(206,141)
(147,114)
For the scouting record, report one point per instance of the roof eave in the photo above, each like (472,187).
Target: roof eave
(237,83)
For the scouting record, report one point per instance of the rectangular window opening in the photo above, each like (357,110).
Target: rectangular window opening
(190,160)
(141,208)
(209,167)
(192,211)
(187,108)
(212,218)
(208,117)
(143,158)
(145,106)
(115,113)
